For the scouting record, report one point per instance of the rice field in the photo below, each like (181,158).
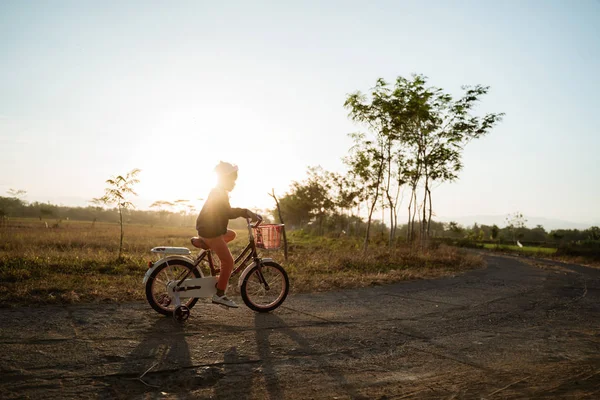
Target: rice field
(524,250)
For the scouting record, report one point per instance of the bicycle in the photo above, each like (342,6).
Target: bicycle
(263,283)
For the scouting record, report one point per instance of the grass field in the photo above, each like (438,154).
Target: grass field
(538,251)
(76,261)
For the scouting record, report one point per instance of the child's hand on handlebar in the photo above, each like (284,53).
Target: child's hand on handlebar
(253,216)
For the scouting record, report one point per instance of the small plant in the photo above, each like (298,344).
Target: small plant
(515,223)
(116,193)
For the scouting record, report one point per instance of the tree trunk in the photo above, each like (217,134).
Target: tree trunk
(414,213)
(121,223)
(424,223)
(321,229)
(366,243)
(392,207)
(382,215)
(430,212)
(349,220)
(387,192)
(396,211)
(391,235)
(377,187)
(357,225)
(408,230)
(285,242)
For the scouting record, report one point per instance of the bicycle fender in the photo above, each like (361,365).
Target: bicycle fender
(166,260)
(248,268)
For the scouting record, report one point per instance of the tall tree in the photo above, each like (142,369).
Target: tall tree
(345,196)
(494,232)
(515,223)
(318,192)
(367,165)
(117,193)
(593,233)
(16,193)
(428,127)
(308,201)
(163,207)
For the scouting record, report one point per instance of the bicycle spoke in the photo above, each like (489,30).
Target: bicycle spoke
(160,283)
(258,291)
(178,274)
(263,286)
(257,287)
(266,288)
(270,284)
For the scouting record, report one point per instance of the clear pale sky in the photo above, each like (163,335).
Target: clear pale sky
(90,89)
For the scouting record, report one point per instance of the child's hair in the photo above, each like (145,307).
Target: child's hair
(224,168)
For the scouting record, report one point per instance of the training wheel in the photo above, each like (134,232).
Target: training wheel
(181,313)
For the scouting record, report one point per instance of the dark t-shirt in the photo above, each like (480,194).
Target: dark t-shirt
(216,213)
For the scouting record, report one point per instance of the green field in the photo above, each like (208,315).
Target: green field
(76,261)
(525,249)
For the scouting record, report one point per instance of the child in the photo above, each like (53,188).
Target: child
(212,226)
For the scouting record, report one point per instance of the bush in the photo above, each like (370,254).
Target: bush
(585,248)
(462,242)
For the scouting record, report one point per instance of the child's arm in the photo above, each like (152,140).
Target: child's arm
(234,212)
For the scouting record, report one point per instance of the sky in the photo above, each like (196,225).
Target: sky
(92,89)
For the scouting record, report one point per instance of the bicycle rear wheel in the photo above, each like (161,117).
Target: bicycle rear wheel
(264,289)
(156,286)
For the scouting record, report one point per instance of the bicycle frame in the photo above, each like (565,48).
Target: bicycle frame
(248,255)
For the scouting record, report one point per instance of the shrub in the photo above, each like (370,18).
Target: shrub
(585,248)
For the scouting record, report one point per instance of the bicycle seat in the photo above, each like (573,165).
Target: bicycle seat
(199,243)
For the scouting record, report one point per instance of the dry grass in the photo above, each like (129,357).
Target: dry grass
(75,262)
(326,264)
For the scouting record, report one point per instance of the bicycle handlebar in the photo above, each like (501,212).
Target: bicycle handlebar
(256,224)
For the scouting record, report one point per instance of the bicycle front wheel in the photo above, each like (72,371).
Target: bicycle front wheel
(265,288)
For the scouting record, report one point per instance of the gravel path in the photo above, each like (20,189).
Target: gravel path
(510,330)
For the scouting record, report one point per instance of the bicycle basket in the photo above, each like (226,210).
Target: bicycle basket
(268,236)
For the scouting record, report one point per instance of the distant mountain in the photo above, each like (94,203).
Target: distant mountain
(500,220)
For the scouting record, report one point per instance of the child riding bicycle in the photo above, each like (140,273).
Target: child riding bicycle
(211,225)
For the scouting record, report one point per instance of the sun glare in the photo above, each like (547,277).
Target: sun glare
(185,143)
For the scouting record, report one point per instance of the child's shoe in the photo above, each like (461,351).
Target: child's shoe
(223,300)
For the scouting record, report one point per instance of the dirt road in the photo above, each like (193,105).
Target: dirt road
(511,330)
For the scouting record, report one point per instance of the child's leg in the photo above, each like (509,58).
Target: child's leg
(219,246)
(229,236)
